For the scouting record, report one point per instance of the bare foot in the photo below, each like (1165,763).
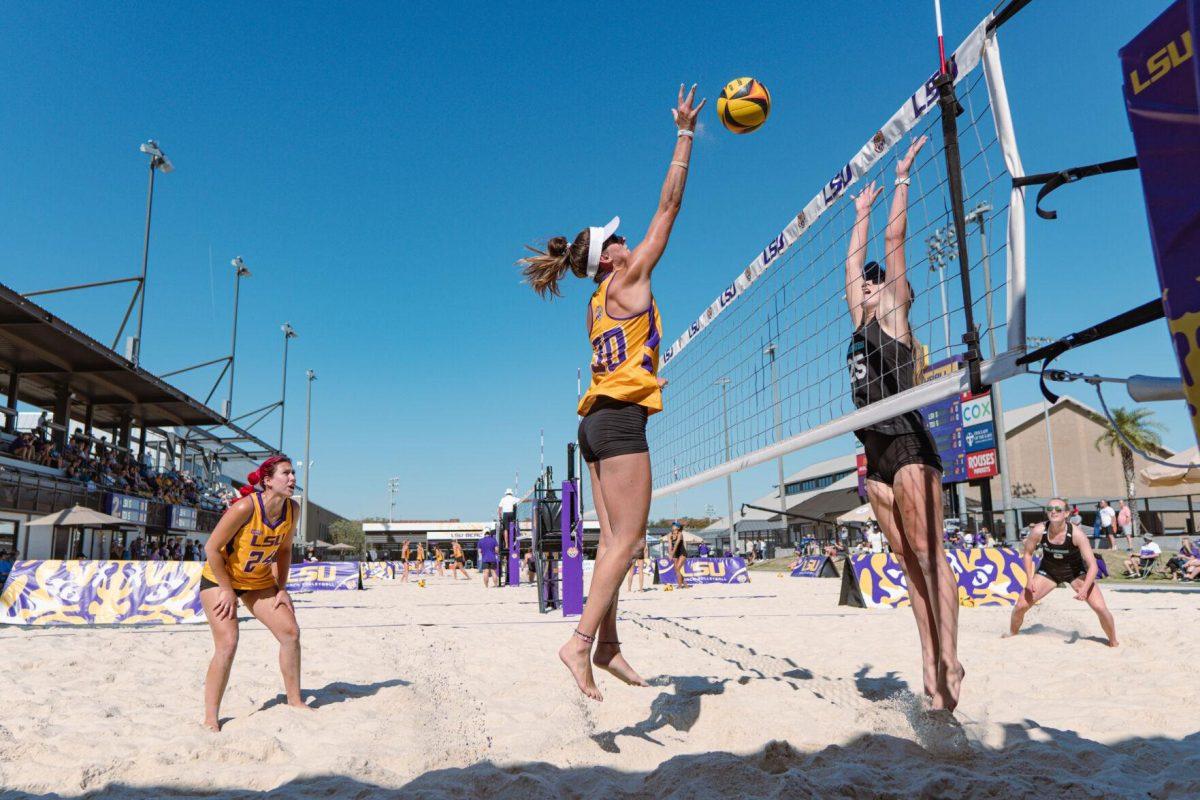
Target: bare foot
(298,703)
(213,724)
(608,658)
(929,676)
(574,654)
(1112,642)
(946,696)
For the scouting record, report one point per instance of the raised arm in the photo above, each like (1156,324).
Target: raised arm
(647,254)
(897,229)
(856,256)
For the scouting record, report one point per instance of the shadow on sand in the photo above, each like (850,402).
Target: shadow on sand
(1033,762)
(336,692)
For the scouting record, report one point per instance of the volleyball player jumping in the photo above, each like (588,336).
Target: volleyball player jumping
(904,471)
(624,329)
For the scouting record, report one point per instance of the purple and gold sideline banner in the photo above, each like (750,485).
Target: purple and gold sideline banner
(132,592)
(988,576)
(324,576)
(377,570)
(102,593)
(705,570)
(815,567)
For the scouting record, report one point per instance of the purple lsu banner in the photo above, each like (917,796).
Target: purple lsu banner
(324,576)
(377,570)
(986,576)
(814,567)
(102,593)
(132,592)
(1161,86)
(705,570)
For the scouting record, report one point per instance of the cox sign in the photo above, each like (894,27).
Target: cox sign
(976,410)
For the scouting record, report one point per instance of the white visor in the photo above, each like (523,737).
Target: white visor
(596,244)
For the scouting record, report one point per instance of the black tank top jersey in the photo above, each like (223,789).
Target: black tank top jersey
(1062,561)
(880,367)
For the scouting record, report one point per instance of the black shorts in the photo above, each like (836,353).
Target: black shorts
(205,583)
(1063,573)
(612,428)
(887,453)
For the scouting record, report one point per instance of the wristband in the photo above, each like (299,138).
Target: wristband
(902,181)
(684,132)
(679,164)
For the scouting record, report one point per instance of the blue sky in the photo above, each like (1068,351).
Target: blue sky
(380,166)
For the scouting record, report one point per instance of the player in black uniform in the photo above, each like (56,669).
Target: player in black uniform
(904,472)
(1066,558)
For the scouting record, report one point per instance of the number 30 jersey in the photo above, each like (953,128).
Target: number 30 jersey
(624,354)
(250,555)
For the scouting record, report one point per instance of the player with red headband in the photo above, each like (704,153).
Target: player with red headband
(249,554)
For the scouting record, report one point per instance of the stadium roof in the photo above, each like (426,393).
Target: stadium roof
(50,354)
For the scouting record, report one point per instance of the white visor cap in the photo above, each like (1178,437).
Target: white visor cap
(596,240)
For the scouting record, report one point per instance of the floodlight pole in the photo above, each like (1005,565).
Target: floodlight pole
(724,384)
(311,376)
(289,333)
(241,271)
(158,160)
(978,216)
(393,485)
(769,350)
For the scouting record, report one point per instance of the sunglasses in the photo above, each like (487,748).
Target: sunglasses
(1056,509)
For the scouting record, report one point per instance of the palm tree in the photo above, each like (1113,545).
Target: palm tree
(1140,430)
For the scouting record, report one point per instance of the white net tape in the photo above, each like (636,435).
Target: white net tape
(787,310)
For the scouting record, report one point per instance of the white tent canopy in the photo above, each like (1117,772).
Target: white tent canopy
(857,516)
(1160,475)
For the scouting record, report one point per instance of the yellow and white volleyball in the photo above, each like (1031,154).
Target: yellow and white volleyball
(744,105)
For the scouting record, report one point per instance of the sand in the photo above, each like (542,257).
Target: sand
(760,690)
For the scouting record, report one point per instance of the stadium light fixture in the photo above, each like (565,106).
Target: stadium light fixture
(240,271)
(158,159)
(158,162)
(311,376)
(289,333)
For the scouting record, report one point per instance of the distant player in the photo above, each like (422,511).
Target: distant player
(249,554)
(625,332)
(1066,558)
(457,561)
(405,559)
(439,560)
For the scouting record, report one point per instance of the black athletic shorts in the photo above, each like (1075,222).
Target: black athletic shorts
(612,428)
(1061,573)
(886,453)
(205,583)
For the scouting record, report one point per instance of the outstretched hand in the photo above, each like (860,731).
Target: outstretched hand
(867,197)
(684,113)
(905,164)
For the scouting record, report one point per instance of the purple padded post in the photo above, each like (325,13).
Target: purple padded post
(572,552)
(514,554)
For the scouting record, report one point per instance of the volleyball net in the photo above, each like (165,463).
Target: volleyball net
(762,372)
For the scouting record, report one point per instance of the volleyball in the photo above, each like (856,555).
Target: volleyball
(743,105)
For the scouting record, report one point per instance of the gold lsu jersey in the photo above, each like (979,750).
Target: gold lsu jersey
(624,354)
(250,555)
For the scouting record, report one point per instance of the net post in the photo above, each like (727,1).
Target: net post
(950,109)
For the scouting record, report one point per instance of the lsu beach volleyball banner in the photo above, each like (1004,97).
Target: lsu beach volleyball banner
(988,576)
(964,61)
(1162,86)
(102,593)
(324,576)
(705,570)
(815,567)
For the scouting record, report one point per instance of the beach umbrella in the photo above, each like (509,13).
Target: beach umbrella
(858,515)
(82,517)
(1161,475)
(342,547)
(319,543)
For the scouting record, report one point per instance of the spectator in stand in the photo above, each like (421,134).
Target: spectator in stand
(1108,519)
(310,555)
(22,447)
(1186,564)
(1125,523)
(874,539)
(41,431)
(1150,551)
(1075,518)
(702,550)
(968,539)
